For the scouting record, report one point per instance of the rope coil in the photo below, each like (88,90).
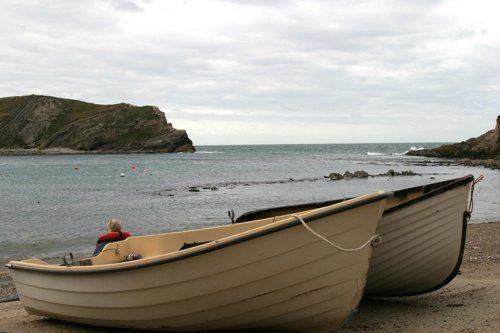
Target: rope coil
(374,241)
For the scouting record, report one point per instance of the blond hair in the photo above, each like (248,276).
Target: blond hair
(114,225)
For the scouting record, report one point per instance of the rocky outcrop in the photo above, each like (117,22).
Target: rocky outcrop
(363,174)
(44,124)
(483,150)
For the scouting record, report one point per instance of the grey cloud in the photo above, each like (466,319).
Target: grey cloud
(126,5)
(288,61)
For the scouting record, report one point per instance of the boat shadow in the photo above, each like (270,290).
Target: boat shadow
(56,325)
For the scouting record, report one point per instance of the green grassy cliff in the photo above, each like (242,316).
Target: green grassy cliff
(45,123)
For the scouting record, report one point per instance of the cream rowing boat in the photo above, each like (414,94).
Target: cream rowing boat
(265,274)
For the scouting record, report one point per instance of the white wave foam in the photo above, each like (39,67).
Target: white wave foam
(411,149)
(209,152)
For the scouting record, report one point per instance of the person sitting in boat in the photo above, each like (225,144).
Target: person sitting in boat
(114,234)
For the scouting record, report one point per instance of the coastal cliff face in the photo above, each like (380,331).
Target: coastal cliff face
(483,150)
(43,124)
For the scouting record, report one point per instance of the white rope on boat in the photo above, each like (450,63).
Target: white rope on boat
(471,201)
(374,240)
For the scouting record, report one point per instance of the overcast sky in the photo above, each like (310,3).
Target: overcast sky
(263,71)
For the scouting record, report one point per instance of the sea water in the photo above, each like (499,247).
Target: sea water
(53,204)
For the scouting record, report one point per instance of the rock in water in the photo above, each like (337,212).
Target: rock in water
(335,176)
(361,174)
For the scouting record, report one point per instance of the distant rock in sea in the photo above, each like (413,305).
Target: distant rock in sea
(363,174)
(483,150)
(49,125)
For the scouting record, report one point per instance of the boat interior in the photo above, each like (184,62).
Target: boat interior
(158,245)
(151,246)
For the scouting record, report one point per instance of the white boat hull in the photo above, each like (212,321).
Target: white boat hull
(423,245)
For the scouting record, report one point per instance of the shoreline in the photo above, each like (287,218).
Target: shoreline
(469,303)
(68,151)
(493,164)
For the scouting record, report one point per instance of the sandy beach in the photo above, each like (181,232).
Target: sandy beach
(470,303)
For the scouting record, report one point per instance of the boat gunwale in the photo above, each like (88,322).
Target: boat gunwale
(432,189)
(435,189)
(205,248)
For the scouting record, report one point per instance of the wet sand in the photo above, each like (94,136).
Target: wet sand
(469,304)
